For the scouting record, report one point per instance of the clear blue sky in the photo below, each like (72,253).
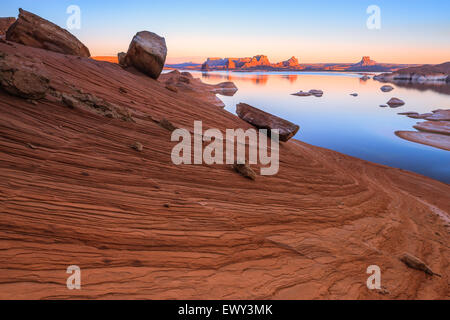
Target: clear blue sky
(314,31)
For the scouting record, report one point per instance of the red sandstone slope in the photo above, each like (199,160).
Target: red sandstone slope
(72,191)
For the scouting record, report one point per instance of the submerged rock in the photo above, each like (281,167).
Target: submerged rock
(184,82)
(147,53)
(317,93)
(395,102)
(442,127)
(387,88)
(440,141)
(264,120)
(97,105)
(34,31)
(302,94)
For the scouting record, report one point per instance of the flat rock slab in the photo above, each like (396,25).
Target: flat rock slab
(440,141)
(264,120)
(302,94)
(439,115)
(395,102)
(442,127)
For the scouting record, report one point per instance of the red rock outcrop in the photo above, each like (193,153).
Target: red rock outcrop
(184,82)
(264,120)
(31,30)
(22,79)
(73,191)
(5,23)
(147,53)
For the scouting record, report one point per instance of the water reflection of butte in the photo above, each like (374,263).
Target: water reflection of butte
(290,77)
(259,79)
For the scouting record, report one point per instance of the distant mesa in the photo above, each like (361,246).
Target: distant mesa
(365,62)
(387,88)
(262,63)
(434,132)
(257,62)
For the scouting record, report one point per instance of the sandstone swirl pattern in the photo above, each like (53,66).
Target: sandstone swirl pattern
(72,191)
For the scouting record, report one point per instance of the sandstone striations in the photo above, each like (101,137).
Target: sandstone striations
(32,30)
(5,23)
(73,191)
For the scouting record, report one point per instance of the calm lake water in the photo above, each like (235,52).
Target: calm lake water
(356,126)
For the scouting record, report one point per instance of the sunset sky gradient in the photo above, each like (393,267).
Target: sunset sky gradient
(314,31)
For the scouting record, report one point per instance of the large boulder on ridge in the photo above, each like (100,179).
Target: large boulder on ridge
(264,120)
(147,53)
(5,23)
(34,31)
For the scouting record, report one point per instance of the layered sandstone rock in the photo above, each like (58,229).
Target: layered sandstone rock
(257,61)
(22,79)
(5,23)
(435,132)
(185,83)
(312,92)
(442,127)
(72,191)
(365,62)
(31,30)
(147,53)
(439,141)
(264,120)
